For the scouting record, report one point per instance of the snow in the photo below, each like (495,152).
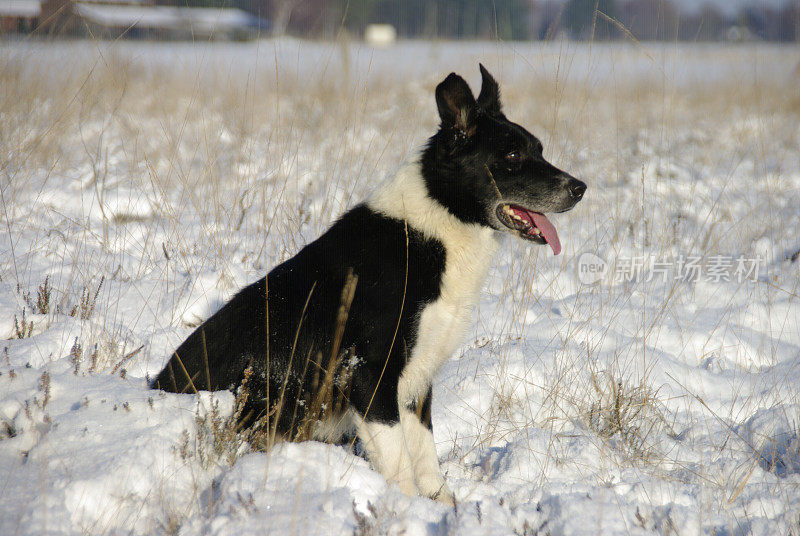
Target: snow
(727,7)
(20,8)
(161,178)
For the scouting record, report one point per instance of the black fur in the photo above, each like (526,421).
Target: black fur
(374,248)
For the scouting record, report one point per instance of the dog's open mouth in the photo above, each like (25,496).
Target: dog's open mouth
(529,225)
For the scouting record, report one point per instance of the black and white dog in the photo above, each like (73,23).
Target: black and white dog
(411,260)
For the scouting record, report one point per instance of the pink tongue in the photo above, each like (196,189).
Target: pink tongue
(548,231)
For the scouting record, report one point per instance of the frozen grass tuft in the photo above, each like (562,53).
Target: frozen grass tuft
(627,413)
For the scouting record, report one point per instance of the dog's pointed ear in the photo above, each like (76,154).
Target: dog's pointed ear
(489,98)
(457,107)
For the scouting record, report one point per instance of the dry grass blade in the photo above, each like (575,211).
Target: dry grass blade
(276,413)
(323,399)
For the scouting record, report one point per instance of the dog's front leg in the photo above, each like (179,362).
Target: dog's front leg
(386,448)
(425,462)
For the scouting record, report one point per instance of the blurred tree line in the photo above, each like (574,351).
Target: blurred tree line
(525,19)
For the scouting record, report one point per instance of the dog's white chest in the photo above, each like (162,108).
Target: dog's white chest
(469,249)
(443,322)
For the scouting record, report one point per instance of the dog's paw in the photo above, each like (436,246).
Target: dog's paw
(444,495)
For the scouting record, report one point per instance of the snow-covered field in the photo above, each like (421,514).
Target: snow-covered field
(645,381)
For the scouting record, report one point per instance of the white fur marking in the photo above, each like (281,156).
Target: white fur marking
(405,452)
(387,450)
(334,427)
(422,451)
(469,250)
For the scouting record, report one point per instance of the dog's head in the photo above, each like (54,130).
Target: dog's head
(487,170)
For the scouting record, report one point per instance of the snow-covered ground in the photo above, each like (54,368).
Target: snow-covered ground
(645,381)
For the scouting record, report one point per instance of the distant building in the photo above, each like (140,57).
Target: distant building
(140,18)
(380,35)
(19,15)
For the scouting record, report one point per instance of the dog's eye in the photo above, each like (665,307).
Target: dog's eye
(513,156)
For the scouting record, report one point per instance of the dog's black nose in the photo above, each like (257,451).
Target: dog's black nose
(576,188)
